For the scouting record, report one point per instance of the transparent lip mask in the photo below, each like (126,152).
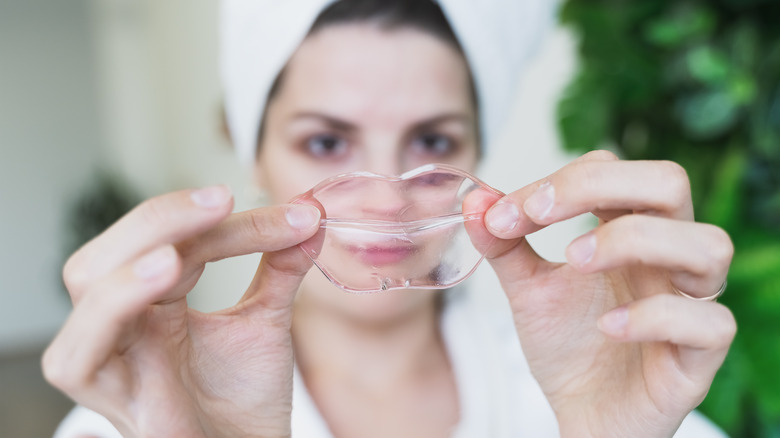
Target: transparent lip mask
(421,230)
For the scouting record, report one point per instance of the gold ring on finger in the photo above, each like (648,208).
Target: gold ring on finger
(712,297)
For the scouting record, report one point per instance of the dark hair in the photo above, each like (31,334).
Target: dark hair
(390,14)
(424,15)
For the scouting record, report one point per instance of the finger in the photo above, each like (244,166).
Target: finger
(475,204)
(601,155)
(701,330)
(259,230)
(608,188)
(265,229)
(507,219)
(276,283)
(93,330)
(515,265)
(658,187)
(281,272)
(512,259)
(162,220)
(698,255)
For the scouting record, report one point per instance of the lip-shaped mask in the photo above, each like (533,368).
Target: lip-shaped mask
(408,232)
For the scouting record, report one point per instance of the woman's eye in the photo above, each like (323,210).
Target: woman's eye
(326,146)
(433,144)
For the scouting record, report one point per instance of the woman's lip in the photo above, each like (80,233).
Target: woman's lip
(378,255)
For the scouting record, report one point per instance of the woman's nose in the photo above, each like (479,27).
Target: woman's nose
(385,200)
(383,153)
(385,165)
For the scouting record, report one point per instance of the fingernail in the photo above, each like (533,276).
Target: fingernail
(581,251)
(154,263)
(539,205)
(503,217)
(211,197)
(302,216)
(614,322)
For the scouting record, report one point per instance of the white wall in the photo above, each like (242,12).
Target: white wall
(142,96)
(160,92)
(161,101)
(48,146)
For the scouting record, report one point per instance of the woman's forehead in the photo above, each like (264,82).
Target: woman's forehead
(358,69)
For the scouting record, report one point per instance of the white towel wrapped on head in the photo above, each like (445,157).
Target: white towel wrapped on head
(258,37)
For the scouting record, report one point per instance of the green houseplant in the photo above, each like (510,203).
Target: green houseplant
(104,200)
(698,82)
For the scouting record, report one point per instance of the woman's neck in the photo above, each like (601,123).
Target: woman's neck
(374,355)
(383,372)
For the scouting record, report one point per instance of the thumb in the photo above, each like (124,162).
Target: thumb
(514,262)
(513,259)
(277,280)
(280,274)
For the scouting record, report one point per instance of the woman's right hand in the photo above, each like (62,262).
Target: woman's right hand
(134,352)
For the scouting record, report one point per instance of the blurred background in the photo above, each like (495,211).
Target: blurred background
(107,102)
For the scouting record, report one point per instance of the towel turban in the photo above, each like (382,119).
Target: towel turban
(258,37)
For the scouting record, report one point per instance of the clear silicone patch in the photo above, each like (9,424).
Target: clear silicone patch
(408,232)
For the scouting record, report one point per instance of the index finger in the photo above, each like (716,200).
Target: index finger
(507,219)
(596,184)
(161,220)
(260,230)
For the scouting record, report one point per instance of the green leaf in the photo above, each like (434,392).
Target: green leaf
(743,44)
(680,25)
(724,400)
(765,348)
(764,123)
(707,114)
(757,263)
(708,65)
(742,88)
(583,115)
(722,204)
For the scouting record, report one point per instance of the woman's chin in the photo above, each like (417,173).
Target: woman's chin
(370,309)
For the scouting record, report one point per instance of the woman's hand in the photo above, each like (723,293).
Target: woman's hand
(133,351)
(616,351)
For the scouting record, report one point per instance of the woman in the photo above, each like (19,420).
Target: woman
(385,87)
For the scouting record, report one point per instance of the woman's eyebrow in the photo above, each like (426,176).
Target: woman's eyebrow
(343,125)
(442,118)
(331,121)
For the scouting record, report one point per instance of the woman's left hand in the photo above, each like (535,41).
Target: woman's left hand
(616,351)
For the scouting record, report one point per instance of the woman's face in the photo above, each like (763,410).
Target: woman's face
(357,97)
